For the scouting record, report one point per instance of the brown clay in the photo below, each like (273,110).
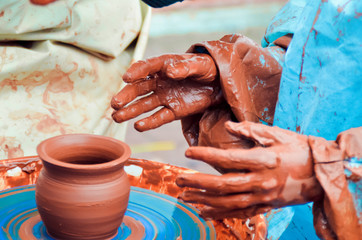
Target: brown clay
(28,172)
(284,41)
(161,178)
(227,229)
(286,169)
(283,169)
(182,84)
(212,131)
(260,178)
(335,214)
(249,77)
(82,191)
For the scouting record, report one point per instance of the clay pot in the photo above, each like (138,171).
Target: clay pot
(82,191)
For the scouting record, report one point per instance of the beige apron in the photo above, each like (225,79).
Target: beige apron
(60,65)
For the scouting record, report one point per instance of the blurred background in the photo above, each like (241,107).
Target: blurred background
(173,30)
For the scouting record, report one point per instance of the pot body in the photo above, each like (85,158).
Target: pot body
(82,191)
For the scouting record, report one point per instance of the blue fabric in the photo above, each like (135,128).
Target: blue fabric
(321,85)
(355,185)
(301,227)
(284,22)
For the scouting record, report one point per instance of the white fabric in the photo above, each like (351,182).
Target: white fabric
(61,80)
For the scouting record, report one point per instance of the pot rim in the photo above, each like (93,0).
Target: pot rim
(44,156)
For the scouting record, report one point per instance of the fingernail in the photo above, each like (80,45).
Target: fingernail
(189,151)
(140,126)
(126,76)
(115,104)
(180,181)
(116,119)
(114,116)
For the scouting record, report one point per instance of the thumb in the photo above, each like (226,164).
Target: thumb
(199,67)
(263,134)
(142,69)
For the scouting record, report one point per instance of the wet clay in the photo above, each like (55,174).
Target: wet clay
(26,228)
(156,176)
(258,179)
(335,214)
(137,228)
(212,132)
(182,85)
(82,192)
(249,77)
(284,41)
(19,172)
(235,71)
(264,177)
(161,178)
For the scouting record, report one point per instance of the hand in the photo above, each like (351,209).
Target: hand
(259,179)
(249,77)
(182,85)
(350,142)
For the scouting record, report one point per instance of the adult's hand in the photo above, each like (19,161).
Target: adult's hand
(182,85)
(276,175)
(350,142)
(249,77)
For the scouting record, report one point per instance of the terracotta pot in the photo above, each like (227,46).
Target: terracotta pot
(82,191)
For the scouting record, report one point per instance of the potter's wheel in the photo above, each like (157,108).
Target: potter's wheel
(157,216)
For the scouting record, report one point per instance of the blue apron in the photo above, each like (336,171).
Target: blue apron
(321,86)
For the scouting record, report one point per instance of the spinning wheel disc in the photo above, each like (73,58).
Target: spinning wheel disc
(149,215)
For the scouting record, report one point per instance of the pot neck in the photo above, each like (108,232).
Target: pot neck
(83,175)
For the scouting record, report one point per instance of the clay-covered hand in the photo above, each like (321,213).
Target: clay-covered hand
(249,75)
(182,85)
(278,174)
(350,142)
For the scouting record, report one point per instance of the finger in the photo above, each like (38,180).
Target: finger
(131,92)
(263,134)
(252,159)
(137,108)
(228,183)
(349,142)
(199,67)
(221,213)
(156,120)
(222,201)
(142,69)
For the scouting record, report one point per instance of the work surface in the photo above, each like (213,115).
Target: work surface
(154,176)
